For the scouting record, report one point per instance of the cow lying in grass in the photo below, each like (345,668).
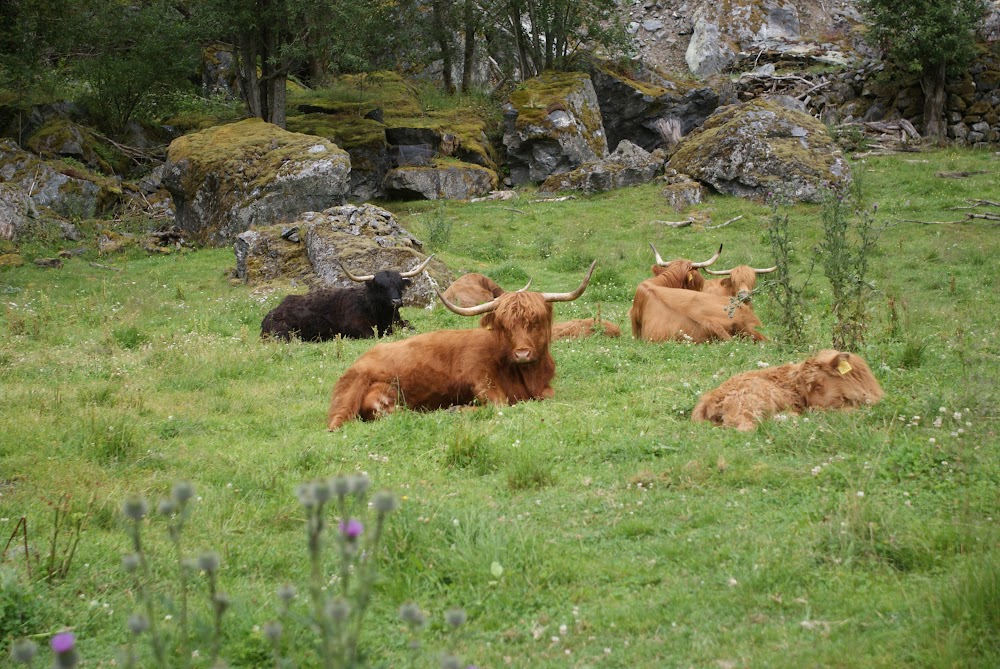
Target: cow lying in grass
(671,307)
(360,312)
(584,327)
(828,380)
(505,361)
(471,289)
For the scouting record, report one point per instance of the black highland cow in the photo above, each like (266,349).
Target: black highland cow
(361,312)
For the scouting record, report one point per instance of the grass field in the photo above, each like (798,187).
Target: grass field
(625,534)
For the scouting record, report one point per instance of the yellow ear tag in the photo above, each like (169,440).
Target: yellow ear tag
(844,367)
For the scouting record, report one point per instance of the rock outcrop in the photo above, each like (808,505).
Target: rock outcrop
(225,179)
(439,180)
(761,147)
(629,165)
(552,124)
(366,238)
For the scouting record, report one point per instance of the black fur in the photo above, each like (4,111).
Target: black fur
(358,312)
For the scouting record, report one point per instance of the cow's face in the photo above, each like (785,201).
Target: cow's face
(833,380)
(742,280)
(522,323)
(387,286)
(679,274)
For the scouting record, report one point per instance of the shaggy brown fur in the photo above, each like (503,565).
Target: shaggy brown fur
(471,289)
(506,360)
(740,283)
(828,380)
(584,327)
(674,314)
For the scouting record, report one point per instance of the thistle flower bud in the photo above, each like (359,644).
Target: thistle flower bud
(450,662)
(222,602)
(182,492)
(208,562)
(341,485)
(352,529)
(130,562)
(167,507)
(135,508)
(304,491)
(23,651)
(137,623)
(385,502)
(272,630)
(360,484)
(64,646)
(338,609)
(455,617)
(411,614)
(286,592)
(322,491)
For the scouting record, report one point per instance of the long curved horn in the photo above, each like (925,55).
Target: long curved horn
(719,272)
(486,307)
(569,297)
(526,286)
(710,260)
(659,260)
(764,271)
(359,279)
(416,270)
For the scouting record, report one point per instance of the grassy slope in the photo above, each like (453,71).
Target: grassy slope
(655,541)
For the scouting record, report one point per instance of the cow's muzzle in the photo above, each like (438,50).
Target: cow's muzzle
(522,355)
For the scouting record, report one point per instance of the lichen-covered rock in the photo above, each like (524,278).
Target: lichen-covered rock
(649,109)
(366,238)
(552,124)
(443,180)
(761,147)
(681,191)
(225,179)
(364,140)
(629,165)
(723,29)
(64,190)
(61,138)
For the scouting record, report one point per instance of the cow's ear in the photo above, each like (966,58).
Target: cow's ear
(838,361)
(657,270)
(486,322)
(407,281)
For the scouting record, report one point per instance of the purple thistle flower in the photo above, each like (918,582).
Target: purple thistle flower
(63,642)
(352,529)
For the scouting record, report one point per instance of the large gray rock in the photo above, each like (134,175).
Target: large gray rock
(225,179)
(69,192)
(760,148)
(552,124)
(629,165)
(650,109)
(439,181)
(722,30)
(366,238)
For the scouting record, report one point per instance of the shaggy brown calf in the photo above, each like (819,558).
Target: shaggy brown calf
(584,327)
(506,360)
(358,313)
(471,289)
(828,380)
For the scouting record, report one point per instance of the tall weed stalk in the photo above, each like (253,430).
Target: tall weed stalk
(785,292)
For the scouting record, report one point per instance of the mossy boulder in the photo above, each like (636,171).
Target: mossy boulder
(54,188)
(647,107)
(225,179)
(363,139)
(61,138)
(629,165)
(553,124)
(366,238)
(761,147)
(442,180)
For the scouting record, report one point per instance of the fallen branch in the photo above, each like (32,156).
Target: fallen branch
(107,267)
(722,225)
(968,217)
(556,199)
(675,224)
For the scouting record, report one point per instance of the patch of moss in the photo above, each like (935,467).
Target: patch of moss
(57,134)
(345,130)
(231,149)
(359,94)
(535,97)
(11,260)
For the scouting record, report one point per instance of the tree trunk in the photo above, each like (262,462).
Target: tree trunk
(441,36)
(932,82)
(468,56)
(246,67)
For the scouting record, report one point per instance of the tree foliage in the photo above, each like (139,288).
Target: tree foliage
(927,37)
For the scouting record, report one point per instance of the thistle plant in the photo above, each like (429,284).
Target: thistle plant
(849,240)
(786,294)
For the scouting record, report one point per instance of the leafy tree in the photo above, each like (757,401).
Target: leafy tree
(129,53)
(928,37)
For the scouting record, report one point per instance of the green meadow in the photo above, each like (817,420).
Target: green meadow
(601,528)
